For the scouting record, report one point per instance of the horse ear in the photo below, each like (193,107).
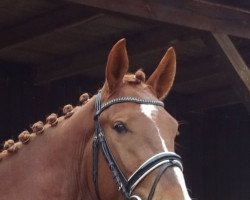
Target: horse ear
(117,66)
(163,77)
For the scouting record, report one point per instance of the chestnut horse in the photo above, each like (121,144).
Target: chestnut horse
(118,145)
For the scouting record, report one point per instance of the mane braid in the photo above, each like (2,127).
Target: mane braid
(136,78)
(38,128)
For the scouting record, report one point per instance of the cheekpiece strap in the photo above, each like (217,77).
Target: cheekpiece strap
(99,142)
(96,147)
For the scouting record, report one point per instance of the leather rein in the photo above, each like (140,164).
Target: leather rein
(126,186)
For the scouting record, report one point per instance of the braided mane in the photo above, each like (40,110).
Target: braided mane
(10,146)
(138,77)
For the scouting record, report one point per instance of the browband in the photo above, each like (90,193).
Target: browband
(126,100)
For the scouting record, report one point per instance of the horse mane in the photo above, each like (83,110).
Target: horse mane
(10,146)
(138,77)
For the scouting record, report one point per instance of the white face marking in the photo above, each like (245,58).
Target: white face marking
(149,110)
(179,176)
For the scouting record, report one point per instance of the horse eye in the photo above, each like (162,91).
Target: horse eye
(120,127)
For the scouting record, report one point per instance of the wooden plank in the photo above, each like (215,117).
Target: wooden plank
(56,20)
(203,83)
(197,68)
(196,14)
(241,71)
(228,58)
(95,59)
(234,57)
(200,102)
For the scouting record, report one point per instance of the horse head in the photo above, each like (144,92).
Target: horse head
(135,134)
(129,156)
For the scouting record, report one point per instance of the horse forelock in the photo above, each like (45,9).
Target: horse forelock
(38,128)
(138,77)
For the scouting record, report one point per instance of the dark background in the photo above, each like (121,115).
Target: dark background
(53,51)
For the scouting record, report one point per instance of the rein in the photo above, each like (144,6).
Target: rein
(126,186)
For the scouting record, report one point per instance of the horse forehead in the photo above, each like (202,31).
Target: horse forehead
(149,110)
(154,113)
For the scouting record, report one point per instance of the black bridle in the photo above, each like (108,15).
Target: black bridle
(126,186)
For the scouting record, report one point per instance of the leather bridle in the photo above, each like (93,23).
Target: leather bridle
(126,186)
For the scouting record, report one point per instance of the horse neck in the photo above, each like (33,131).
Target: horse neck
(50,166)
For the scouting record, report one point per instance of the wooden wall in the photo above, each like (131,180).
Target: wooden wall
(23,103)
(215,146)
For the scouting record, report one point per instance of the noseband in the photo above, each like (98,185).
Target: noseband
(126,186)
